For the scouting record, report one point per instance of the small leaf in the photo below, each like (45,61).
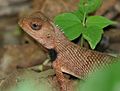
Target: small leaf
(99,21)
(93,35)
(70,25)
(79,14)
(89,6)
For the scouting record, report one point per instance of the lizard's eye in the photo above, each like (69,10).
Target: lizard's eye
(35,26)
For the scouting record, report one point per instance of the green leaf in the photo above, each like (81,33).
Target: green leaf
(70,24)
(107,79)
(79,14)
(89,6)
(93,35)
(99,21)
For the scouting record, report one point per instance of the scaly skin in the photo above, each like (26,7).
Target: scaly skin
(71,58)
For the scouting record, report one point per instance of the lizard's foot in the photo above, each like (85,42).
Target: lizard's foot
(64,82)
(66,85)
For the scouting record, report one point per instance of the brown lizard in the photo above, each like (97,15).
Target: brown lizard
(71,58)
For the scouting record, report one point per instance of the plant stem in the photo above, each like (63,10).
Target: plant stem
(84,20)
(84,24)
(81,41)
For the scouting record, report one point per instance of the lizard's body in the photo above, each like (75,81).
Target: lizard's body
(71,58)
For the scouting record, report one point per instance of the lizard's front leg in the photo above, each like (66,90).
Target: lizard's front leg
(60,76)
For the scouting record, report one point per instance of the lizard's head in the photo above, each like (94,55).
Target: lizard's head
(39,27)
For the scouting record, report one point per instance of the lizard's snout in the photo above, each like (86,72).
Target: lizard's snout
(21,22)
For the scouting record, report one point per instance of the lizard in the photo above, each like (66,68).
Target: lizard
(70,58)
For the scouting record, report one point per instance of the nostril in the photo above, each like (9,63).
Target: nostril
(48,36)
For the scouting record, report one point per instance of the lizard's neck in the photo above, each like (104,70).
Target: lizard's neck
(61,42)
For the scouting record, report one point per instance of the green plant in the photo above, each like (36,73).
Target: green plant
(103,80)
(80,23)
